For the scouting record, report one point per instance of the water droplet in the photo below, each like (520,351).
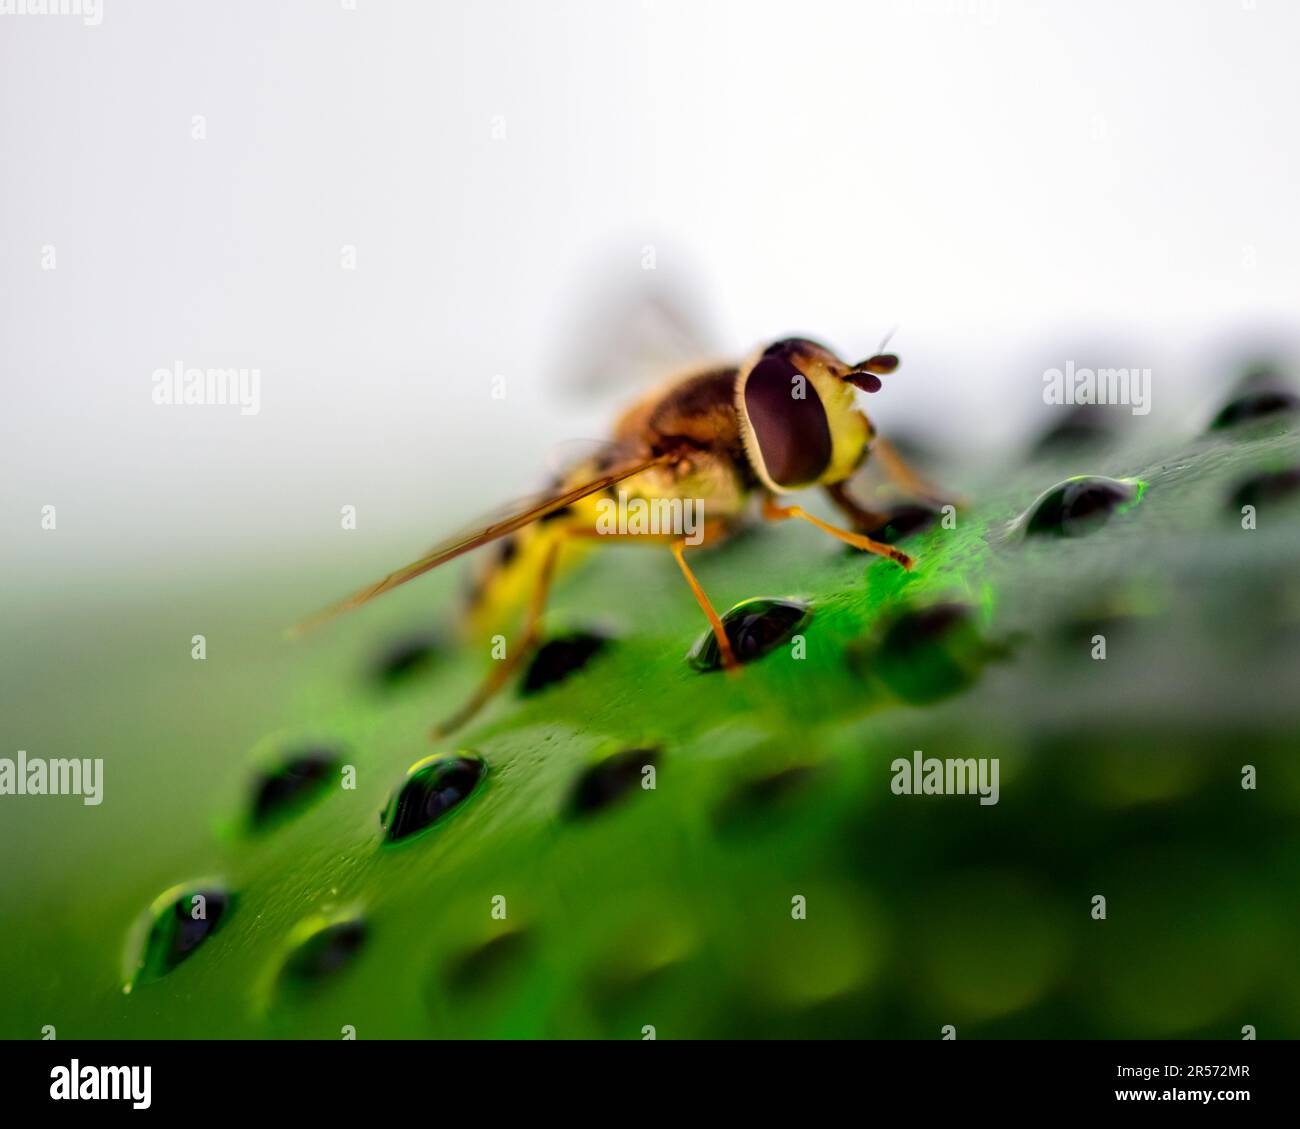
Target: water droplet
(903,521)
(1270,487)
(404,659)
(755,627)
(320,949)
(1074,634)
(928,653)
(608,781)
(481,967)
(644,963)
(1080,505)
(1086,427)
(176,924)
(1259,399)
(288,787)
(431,789)
(559,658)
(758,799)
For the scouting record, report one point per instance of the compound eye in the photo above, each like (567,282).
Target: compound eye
(788,422)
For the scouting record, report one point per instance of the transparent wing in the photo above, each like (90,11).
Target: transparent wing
(637,327)
(528,511)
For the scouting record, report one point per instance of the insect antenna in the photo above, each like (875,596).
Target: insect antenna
(866,374)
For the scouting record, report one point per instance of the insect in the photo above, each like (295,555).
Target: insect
(784,420)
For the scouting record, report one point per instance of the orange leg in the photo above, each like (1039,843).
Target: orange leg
(861,517)
(773,512)
(507,666)
(902,473)
(715,621)
(713,530)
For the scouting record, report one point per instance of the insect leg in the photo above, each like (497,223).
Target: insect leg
(507,666)
(902,472)
(713,531)
(715,621)
(773,512)
(861,517)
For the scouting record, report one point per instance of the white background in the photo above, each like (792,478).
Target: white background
(1016,185)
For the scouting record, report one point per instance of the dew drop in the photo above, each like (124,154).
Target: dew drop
(1270,487)
(903,521)
(326,948)
(758,799)
(755,628)
(918,629)
(926,654)
(431,789)
(481,967)
(1260,402)
(646,962)
(558,658)
(176,924)
(1086,427)
(1079,506)
(608,781)
(404,659)
(291,785)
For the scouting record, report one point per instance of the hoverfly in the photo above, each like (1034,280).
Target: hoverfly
(784,420)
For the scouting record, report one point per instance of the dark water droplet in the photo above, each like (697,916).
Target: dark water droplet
(755,628)
(290,786)
(405,659)
(1080,505)
(902,522)
(918,629)
(927,654)
(323,953)
(758,799)
(430,790)
(1075,632)
(559,658)
(1086,427)
(481,967)
(623,992)
(1270,487)
(1257,402)
(179,922)
(609,780)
